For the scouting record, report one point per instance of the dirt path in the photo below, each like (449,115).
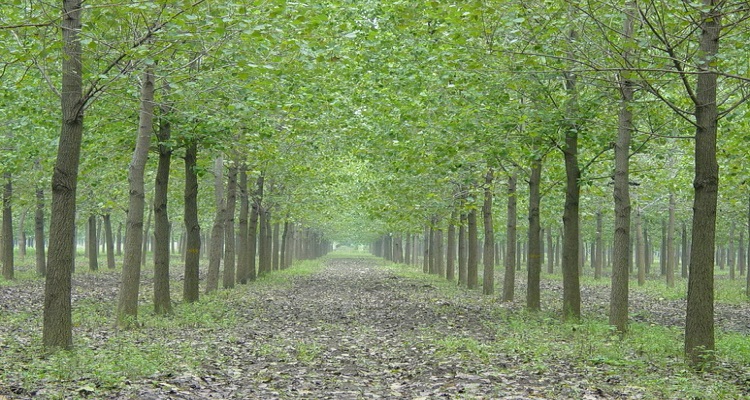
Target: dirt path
(350,331)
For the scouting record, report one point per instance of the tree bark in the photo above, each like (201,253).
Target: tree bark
(252,228)
(462,250)
(57,321)
(229,234)
(598,253)
(242,241)
(190,290)
(127,306)
(39,245)
(146,235)
(699,323)
(109,241)
(217,231)
(8,262)
(162,234)
(640,249)
(472,262)
(671,259)
(621,247)
(92,244)
(22,234)
(450,254)
(488,257)
(509,281)
(533,278)
(426,250)
(275,246)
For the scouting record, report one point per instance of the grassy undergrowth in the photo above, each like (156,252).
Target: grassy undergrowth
(105,359)
(649,359)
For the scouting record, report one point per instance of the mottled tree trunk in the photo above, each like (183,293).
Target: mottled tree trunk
(472,262)
(229,234)
(450,254)
(621,247)
(509,282)
(275,246)
(217,230)
(39,247)
(110,244)
(533,279)
(462,250)
(252,237)
(488,256)
(598,253)
(127,306)
(699,323)
(685,251)
(671,259)
(242,237)
(162,236)
(426,250)
(190,290)
(92,244)
(7,237)
(640,245)
(146,235)
(57,322)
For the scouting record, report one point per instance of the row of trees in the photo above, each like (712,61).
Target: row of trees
(375,117)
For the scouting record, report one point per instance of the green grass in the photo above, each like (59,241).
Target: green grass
(104,358)
(648,359)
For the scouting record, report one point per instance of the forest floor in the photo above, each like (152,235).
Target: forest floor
(354,328)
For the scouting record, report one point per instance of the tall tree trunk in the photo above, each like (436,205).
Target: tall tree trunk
(533,278)
(571,308)
(426,250)
(463,252)
(127,306)
(146,235)
(242,241)
(597,258)
(550,252)
(472,261)
(229,234)
(57,321)
(217,231)
(439,252)
(685,251)
(671,259)
(663,249)
(699,323)
(266,262)
(621,246)
(107,219)
(162,234)
(252,228)
(275,244)
(408,250)
(92,244)
(488,257)
(641,256)
(118,243)
(509,282)
(39,247)
(22,234)
(284,245)
(190,290)
(450,255)
(8,267)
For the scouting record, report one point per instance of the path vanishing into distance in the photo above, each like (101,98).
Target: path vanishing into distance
(357,330)
(351,328)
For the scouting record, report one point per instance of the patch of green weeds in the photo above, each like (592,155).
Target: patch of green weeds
(466,347)
(307,352)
